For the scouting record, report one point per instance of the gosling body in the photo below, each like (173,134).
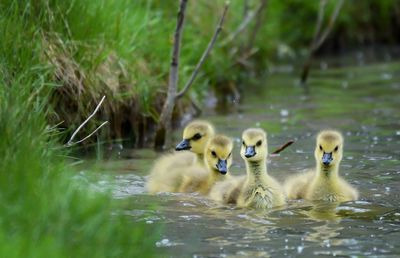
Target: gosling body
(187,175)
(257,189)
(324,183)
(168,172)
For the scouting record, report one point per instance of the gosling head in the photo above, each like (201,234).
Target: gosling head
(195,136)
(329,149)
(254,144)
(218,153)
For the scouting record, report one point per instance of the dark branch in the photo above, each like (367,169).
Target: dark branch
(329,27)
(280,149)
(205,54)
(166,113)
(257,26)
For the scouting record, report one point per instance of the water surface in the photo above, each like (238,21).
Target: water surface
(362,101)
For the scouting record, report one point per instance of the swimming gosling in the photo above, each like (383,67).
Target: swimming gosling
(188,176)
(324,183)
(257,189)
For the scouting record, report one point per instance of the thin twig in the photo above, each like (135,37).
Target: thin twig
(329,27)
(205,54)
(319,38)
(280,149)
(320,20)
(245,8)
(87,137)
(257,26)
(69,143)
(246,21)
(164,123)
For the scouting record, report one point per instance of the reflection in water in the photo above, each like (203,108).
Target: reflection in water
(362,102)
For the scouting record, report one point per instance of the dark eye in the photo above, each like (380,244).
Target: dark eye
(229,154)
(259,143)
(244,144)
(196,137)
(320,147)
(214,154)
(336,148)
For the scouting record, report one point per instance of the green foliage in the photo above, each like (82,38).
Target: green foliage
(122,49)
(44,210)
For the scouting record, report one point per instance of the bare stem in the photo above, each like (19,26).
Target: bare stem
(246,21)
(319,38)
(280,149)
(205,54)
(329,27)
(320,19)
(166,113)
(257,26)
(70,142)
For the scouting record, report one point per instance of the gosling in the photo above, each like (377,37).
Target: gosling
(324,183)
(218,160)
(188,176)
(195,137)
(257,189)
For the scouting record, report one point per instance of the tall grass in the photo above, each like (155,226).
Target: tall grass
(44,211)
(57,58)
(122,49)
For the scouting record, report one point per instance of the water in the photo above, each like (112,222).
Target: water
(362,101)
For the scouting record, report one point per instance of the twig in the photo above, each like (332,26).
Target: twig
(319,38)
(257,26)
(87,137)
(320,19)
(69,143)
(205,54)
(166,113)
(280,149)
(245,8)
(250,16)
(329,26)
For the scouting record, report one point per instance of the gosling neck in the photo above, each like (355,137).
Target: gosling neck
(200,157)
(256,170)
(327,173)
(216,176)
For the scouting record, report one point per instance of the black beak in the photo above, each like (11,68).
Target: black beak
(222,166)
(250,151)
(183,145)
(327,159)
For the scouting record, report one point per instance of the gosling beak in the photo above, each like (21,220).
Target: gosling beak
(327,159)
(183,145)
(250,151)
(222,166)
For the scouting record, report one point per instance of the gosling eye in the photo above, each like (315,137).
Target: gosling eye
(244,144)
(259,143)
(229,154)
(196,137)
(336,148)
(214,154)
(320,147)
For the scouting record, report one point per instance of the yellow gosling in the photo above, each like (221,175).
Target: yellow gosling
(257,189)
(186,175)
(195,137)
(218,160)
(324,183)
(167,172)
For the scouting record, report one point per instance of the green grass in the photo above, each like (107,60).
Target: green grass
(122,48)
(57,58)
(44,210)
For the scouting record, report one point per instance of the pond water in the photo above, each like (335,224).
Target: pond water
(362,100)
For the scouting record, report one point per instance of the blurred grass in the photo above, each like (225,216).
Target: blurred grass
(44,210)
(57,58)
(121,49)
